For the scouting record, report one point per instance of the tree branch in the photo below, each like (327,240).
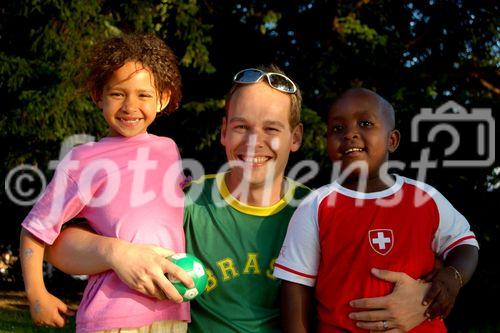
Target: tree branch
(485,83)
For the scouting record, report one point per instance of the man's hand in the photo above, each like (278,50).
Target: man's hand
(399,311)
(143,268)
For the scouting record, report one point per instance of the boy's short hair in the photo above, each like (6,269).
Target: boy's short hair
(296,98)
(147,49)
(383,104)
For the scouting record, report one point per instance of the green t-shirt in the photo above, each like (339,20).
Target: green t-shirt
(238,244)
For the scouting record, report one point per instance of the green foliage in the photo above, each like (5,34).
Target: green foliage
(192,30)
(39,74)
(206,137)
(350,26)
(313,142)
(415,55)
(270,21)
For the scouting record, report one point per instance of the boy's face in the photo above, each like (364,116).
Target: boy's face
(130,101)
(360,130)
(256,133)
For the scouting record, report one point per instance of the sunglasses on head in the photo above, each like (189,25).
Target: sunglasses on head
(276,80)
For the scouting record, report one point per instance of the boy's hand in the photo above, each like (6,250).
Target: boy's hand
(442,294)
(143,268)
(438,266)
(48,310)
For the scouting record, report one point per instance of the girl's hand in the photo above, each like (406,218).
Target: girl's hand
(48,310)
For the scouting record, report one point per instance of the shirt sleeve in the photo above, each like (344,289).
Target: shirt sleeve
(59,203)
(453,230)
(299,256)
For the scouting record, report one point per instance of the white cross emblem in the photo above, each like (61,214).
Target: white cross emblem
(381,240)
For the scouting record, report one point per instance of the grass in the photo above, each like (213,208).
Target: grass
(20,321)
(15,316)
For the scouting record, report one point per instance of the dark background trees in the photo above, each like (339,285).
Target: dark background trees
(415,53)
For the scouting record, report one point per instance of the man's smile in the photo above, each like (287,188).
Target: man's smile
(255,160)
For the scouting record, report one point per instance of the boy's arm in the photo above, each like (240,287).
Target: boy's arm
(295,307)
(457,244)
(464,259)
(297,267)
(141,267)
(45,308)
(458,269)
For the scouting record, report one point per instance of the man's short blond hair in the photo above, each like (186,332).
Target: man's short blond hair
(295,98)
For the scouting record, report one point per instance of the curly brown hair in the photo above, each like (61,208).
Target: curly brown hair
(147,49)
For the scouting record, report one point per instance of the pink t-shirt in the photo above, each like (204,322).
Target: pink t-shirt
(127,188)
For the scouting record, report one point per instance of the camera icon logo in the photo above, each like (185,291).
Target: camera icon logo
(477,126)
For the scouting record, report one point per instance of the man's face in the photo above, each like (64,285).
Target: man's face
(256,133)
(359,131)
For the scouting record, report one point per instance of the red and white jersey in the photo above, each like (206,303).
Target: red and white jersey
(337,235)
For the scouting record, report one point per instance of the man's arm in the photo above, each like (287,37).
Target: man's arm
(295,307)
(77,250)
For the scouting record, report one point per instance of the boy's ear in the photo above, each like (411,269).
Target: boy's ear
(394,139)
(164,100)
(297,134)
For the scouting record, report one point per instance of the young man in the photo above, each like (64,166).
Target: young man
(237,223)
(235,226)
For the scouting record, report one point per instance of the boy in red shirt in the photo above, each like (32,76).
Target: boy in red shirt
(368,218)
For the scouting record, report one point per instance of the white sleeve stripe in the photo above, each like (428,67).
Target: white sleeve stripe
(294,271)
(290,277)
(457,242)
(469,240)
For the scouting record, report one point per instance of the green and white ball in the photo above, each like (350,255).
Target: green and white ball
(194,267)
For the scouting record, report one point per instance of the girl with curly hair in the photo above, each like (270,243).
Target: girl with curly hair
(127,186)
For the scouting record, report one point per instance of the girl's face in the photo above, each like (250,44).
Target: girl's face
(130,101)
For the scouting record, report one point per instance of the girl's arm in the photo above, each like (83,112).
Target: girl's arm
(45,308)
(296,307)
(77,250)
(31,252)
